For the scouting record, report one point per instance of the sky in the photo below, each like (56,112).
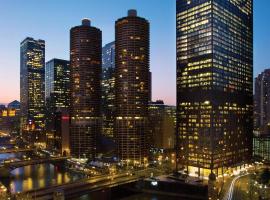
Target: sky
(51,20)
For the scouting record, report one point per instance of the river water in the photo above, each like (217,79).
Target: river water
(36,176)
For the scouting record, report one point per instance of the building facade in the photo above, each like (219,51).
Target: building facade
(57,96)
(10,118)
(14,105)
(132,88)
(169,124)
(108,55)
(214,84)
(162,121)
(108,89)
(32,88)
(85,75)
(262,103)
(261,149)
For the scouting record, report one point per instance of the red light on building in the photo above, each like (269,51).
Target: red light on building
(65,117)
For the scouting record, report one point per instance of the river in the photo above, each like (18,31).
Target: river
(36,176)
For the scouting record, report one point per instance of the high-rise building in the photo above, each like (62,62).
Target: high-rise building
(57,95)
(85,76)
(156,116)
(32,88)
(262,103)
(169,125)
(214,84)
(162,121)
(132,88)
(61,137)
(150,86)
(261,148)
(57,83)
(108,89)
(108,55)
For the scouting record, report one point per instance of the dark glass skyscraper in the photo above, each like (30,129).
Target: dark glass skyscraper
(85,74)
(161,125)
(57,95)
(132,88)
(214,84)
(32,86)
(57,83)
(108,88)
(108,55)
(261,103)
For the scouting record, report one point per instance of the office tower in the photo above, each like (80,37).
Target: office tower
(214,85)
(57,96)
(32,88)
(169,125)
(156,117)
(262,103)
(261,148)
(108,55)
(162,121)
(85,75)
(132,88)
(61,137)
(108,89)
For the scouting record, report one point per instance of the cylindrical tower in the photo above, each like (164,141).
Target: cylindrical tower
(85,73)
(132,88)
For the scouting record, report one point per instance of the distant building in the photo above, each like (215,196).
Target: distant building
(2,106)
(156,129)
(108,89)
(150,86)
(262,103)
(85,78)
(10,117)
(57,95)
(32,88)
(108,55)
(132,88)
(214,42)
(162,121)
(261,149)
(61,140)
(169,127)
(14,105)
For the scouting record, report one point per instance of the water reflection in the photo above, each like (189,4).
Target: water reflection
(38,176)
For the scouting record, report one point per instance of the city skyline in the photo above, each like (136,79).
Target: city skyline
(55,28)
(163,99)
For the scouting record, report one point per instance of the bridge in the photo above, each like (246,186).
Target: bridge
(93,184)
(19,150)
(6,168)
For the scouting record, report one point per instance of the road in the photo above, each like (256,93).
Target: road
(91,184)
(3,134)
(239,188)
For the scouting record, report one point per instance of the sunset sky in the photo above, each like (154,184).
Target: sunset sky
(51,20)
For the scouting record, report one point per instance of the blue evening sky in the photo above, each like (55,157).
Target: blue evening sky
(51,20)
